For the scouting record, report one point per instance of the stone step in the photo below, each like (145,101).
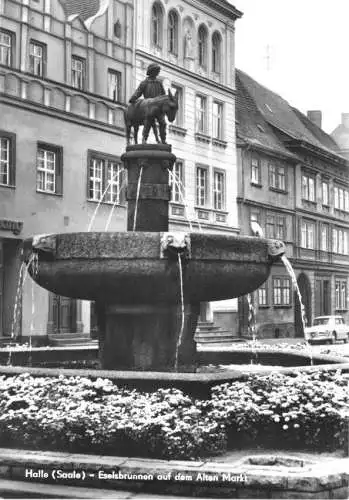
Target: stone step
(24,489)
(72,341)
(68,335)
(213,333)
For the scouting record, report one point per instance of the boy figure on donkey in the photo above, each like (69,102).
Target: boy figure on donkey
(149,88)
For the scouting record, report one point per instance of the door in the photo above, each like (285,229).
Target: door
(63,314)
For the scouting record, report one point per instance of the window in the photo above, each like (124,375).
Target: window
(324,237)
(341,199)
(156,25)
(255,216)
(340,241)
(49,161)
(180,113)
(325,192)
(172,33)
(216,53)
(37,58)
(7,158)
(202,46)
(218,190)
(277,177)
(114,85)
(255,171)
(217,120)
(201,114)
(104,178)
(308,188)
(177,185)
(281,291)
(6,39)
(308,235)
(78,69)
(201,186)
(341,294)
(275,226)
(263,295)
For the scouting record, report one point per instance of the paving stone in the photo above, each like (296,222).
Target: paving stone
(5,471)
(269,481)
(303,495)
(252,493)
(214,492)
(303,483)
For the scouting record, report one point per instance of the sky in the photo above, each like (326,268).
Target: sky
(299,49)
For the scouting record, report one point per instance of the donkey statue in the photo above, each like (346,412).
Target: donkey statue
(147,112)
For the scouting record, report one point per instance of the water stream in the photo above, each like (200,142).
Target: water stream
(180,335)
(123,185)
(293,277)
(101,200)
(137,197)
(252,327)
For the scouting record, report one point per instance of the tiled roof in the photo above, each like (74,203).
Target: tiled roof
(83,8)
(252,127)
(278,113)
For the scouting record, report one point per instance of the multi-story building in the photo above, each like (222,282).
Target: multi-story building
(295,185)
(194,44)
(65,72)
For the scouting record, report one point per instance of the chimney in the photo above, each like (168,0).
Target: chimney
(345,120)
(315,117)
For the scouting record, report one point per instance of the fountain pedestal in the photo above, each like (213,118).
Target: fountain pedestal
(146,336)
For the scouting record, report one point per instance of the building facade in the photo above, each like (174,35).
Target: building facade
(65,73)
(194,44)
(295,184)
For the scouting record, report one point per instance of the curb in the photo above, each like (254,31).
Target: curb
(260,476)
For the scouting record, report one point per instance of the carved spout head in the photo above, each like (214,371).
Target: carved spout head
(175,243)
(276,249)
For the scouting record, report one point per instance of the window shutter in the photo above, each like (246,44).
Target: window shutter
(12,159)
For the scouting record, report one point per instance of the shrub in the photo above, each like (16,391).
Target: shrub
(80,415)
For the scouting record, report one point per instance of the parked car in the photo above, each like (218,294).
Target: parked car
(327,329)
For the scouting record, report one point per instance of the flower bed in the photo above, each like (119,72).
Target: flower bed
(80,415)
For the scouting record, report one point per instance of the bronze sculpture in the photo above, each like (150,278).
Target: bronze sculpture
(153,108)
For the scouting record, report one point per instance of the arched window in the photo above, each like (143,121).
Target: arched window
(202,46)
(216,53)
(173,32)
(156,25)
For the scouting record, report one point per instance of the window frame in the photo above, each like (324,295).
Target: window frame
(216,53)
(11,48)
(11,138)
(35,43)
(325,199)
(255,167)
(305,233)
(156,17)
(172,31)
(205,189)
(222,193)
(179,120)
(263,295)
(202,46)
(74,71)
(118,75)
(341,294)
(307,189)
(275,222)
(220,120)
(277,177)
(202,111)
(58,172)
(178,192)
(284,296)
(107,160)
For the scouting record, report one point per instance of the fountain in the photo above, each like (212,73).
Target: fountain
(148,283)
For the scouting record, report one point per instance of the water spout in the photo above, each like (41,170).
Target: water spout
(180,335)
(293,277)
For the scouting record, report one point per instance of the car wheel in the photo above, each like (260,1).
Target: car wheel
(346,339)
(333,337)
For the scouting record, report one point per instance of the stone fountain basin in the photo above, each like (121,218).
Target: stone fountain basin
(132,267)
